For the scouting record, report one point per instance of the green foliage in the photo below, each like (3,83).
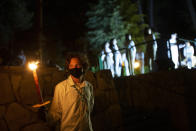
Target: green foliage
(133,20)
(105,23)
(94,69)
(114,19)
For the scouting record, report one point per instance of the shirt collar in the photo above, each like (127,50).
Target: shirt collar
(72,84)
(70,81)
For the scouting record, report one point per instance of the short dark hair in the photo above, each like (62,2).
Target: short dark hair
(82,58)
(111,41)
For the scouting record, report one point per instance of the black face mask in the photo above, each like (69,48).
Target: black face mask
(76,72)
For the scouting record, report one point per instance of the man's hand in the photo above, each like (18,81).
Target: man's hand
(42,110)
(42,113)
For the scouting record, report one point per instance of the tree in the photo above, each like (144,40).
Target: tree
(151,13)
(99,23)
(113,19)
(133,19)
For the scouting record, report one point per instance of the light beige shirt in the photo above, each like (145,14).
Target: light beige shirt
(72,105)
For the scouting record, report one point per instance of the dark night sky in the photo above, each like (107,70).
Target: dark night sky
(66,17)
(62,21)
(65,20)
(172,16)
(69,18)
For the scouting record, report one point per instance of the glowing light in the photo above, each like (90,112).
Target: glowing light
(33,65)
(136,64)
(123,63)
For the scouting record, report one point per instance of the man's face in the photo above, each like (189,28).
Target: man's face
(75,63)
(107,45)
(174,36)
(149,31)
(129,37)
(188,44)
(114,41)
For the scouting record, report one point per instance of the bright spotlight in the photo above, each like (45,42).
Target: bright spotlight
(33,65)
(136,64)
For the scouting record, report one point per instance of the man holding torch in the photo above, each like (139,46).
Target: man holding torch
(73,98)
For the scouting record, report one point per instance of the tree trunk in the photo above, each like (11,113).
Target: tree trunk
(151,13)
(192,12)
(140,9)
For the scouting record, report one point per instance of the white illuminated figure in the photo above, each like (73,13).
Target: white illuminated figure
(117,58)
(153,49)
(142,63)
(188,54)
(109,58)
(22,57)
(132,49)
(103,59)
(168,50)
(126,64)
(174,49)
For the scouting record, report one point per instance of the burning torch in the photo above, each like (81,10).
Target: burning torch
(33,66)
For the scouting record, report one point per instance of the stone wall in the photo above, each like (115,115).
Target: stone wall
(107,115)
(172,92)
(18,94)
